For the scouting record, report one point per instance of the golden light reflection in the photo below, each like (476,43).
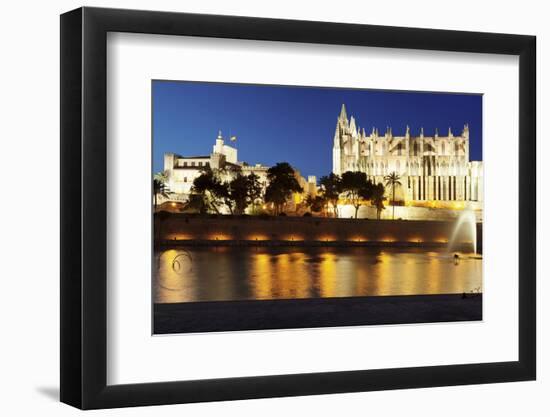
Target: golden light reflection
(327,275)
(293,237)
(235,273)
(173,284)
(383,272)
(258,237)
(220,236)
(180,236)
(262,279)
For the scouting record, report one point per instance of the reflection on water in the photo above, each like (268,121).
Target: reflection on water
(230,273)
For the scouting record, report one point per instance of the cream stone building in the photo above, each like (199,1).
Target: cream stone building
(431,168)
(181,171)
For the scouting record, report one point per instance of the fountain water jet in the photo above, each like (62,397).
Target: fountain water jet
(468,219)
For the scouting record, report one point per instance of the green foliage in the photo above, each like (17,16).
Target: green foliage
(377,198)
(356,188)
(210,190)
(236,194)
(315,203)
(161,176)
(255,189)
(282,184)
(392,180)
(331,188)
(196,204)
(159,188)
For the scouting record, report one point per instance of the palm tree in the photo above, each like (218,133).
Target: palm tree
(392,180)
(158,188)
(162,176)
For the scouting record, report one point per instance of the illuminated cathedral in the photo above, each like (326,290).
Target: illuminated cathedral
(431,168)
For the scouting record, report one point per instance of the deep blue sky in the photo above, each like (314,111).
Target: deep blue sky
(295,124)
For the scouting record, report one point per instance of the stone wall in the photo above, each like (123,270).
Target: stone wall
(408,213)
(181,227)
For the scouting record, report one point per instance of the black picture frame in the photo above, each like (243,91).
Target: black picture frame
(84,208)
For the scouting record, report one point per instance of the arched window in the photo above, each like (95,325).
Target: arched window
(415,149)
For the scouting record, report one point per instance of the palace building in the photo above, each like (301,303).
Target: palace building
(181,171)
(431,168)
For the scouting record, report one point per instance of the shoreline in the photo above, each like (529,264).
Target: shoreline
(314,243)
(211,316)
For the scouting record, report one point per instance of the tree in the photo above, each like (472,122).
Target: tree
(238,193)
(210,189)
(377,198)
(196,203)
(331,187)
(315,203)
(282,184)
(159,188)
(255,189)
(356,188)
(392,180)
(162,176)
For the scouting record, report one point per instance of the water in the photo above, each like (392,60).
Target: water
(262,273)
(467,220)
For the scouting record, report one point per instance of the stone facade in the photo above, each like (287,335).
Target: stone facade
(431,168)
(181,171)
(304,230)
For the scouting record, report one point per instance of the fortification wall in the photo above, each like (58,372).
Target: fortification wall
(181,227)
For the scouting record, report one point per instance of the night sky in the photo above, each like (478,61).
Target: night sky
(295,124)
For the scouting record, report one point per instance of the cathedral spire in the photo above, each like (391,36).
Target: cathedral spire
(343,114)
(466,131)
(352,126)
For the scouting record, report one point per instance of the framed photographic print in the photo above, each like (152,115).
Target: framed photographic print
(258,208)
